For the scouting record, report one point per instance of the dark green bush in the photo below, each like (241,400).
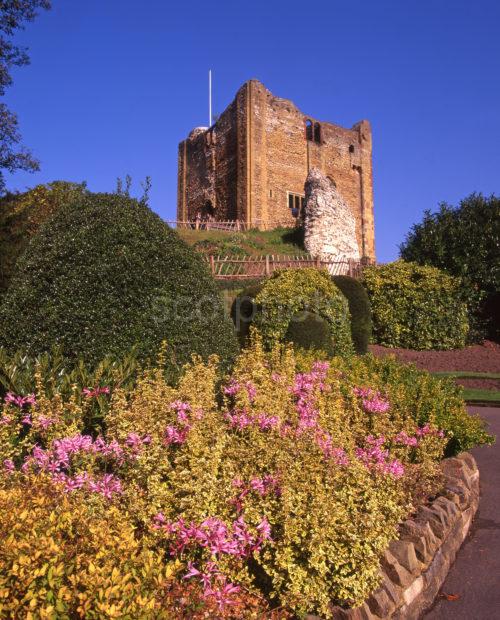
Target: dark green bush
(21,216)
(464,241)
(416,307)
(243,311)
(359,307)
(309,331)
(106,274)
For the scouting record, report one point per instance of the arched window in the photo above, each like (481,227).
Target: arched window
(309,130)
(317,133)
(351,148)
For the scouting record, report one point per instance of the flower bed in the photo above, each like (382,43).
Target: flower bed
(279,487)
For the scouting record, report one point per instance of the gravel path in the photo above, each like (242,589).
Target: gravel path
(472,589)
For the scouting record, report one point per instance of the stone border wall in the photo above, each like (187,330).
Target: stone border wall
(415,566)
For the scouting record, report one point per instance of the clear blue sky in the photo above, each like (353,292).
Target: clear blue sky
(114,85)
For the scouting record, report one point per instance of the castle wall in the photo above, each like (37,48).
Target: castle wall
(208,171)
(282,156)
(258,151)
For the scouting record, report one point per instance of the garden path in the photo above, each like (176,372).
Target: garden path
(472,589)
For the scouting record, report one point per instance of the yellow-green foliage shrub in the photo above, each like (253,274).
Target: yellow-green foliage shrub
(64,557)
(416,307)
(428,398)
(287,481)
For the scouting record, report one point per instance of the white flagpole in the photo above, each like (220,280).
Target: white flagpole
(210,98)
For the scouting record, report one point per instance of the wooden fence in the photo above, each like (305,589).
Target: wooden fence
(240,268)
(230,225)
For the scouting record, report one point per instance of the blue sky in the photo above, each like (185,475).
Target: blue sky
(114,85)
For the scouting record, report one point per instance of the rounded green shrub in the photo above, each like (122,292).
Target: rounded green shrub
(359,307)
(310,331)
(243,310)
(416,307)
(21,216)
(273,305)
(106,274)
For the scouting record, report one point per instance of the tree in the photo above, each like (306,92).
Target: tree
(465,242)
(13,14)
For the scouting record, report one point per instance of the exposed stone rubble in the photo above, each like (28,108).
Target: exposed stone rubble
(329,224)
(415,566)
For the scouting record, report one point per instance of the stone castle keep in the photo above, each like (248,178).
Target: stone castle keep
(251,165)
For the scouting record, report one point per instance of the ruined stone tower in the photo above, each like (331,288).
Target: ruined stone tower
(251,165)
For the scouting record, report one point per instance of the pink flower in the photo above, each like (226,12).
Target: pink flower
(267,422)
(192,571)
(374,457)
(9,466)
(182,409)
(95,392)
(251,390)
(135,442)
(45,422)
(406,440)
(264,528)
(159,521)
(394,468)
(175,435)
(20,401)
(371,400)
(107,486)
(257,484)
(233,388)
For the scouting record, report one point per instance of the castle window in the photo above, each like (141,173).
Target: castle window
(313,131)
(309,130)
(317,133)
(351,148)
(296,203)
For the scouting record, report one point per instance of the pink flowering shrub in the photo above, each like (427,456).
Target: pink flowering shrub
(284,482)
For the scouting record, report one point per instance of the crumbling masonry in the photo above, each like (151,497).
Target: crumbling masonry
(251,165)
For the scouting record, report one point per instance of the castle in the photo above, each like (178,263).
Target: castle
(252,163)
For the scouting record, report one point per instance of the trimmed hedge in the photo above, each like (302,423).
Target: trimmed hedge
(271,305)
(106,274)
(243,311)
(309,331)
(416,307)
(359,307)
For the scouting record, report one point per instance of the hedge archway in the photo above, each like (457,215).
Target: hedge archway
(293,295)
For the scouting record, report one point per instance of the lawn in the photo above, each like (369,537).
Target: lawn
(280,241)
(457,374)
(473,394)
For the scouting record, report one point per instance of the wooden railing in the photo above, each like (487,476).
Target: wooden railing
(230,225)
(237,267)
